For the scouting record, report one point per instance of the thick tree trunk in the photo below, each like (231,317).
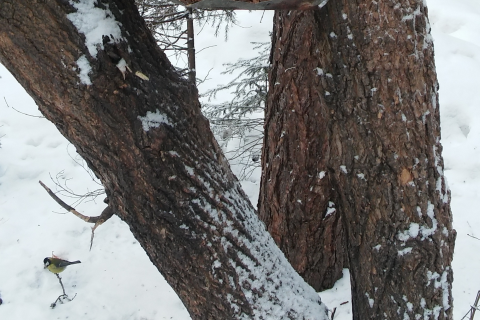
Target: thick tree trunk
(352,156)
(297,197)
(139,127)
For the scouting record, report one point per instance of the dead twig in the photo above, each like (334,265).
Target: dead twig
(106,214)
(333,313)
(61,298)
(472,236)
(26,114)
(473,308)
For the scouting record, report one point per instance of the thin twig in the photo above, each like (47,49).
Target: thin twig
(472,236)
(476,303)
(473,308)
(205,48)
(63,296)
(200,81)
(26,114)
(60,280)
(333,313)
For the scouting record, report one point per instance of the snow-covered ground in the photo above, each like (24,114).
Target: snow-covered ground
(116,280)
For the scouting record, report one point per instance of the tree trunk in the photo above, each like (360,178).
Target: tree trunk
(297,197)
(352,156)
(192,72)
(139,127)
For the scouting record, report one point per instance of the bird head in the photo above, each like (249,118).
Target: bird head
(46,262)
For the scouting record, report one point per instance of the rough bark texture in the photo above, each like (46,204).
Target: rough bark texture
(297,196)
(252,4)
(166,177)
(352,124)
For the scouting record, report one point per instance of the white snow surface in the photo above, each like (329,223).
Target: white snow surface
(116,280)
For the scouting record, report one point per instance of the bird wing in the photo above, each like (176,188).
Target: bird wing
(64,263)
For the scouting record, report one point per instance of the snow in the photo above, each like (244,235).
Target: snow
(94,23)
(404,251)
(153,120)
(409,233)
(122,65)
(330,210)
(322,4)
(116,280)
(370,300)
(339,297)
(85,69)
(415,229)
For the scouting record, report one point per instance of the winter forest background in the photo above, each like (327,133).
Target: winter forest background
(116,280)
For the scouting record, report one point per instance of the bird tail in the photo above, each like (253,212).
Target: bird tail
(75,262)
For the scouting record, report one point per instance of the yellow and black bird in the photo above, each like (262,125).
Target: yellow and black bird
(57,265)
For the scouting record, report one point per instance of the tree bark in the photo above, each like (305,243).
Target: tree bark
(192,72)
(297,197)
(252,4)
(352,156)
(138,125)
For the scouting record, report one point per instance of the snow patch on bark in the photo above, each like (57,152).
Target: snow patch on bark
(267,280)
(85,69)
(405,251)
(321,175)
(153,120)
(441,282)
(370,300)
(94,23)
(322,4)
(330,210)
(443,193)
(412,232)
(415,229)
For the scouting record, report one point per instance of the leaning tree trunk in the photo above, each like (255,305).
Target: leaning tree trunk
(139,127)
(352,156)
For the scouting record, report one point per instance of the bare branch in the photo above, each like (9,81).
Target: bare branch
(106,213)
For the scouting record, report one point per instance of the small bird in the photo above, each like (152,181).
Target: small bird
(57,265)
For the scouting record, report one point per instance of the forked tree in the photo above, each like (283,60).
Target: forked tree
(138,125)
